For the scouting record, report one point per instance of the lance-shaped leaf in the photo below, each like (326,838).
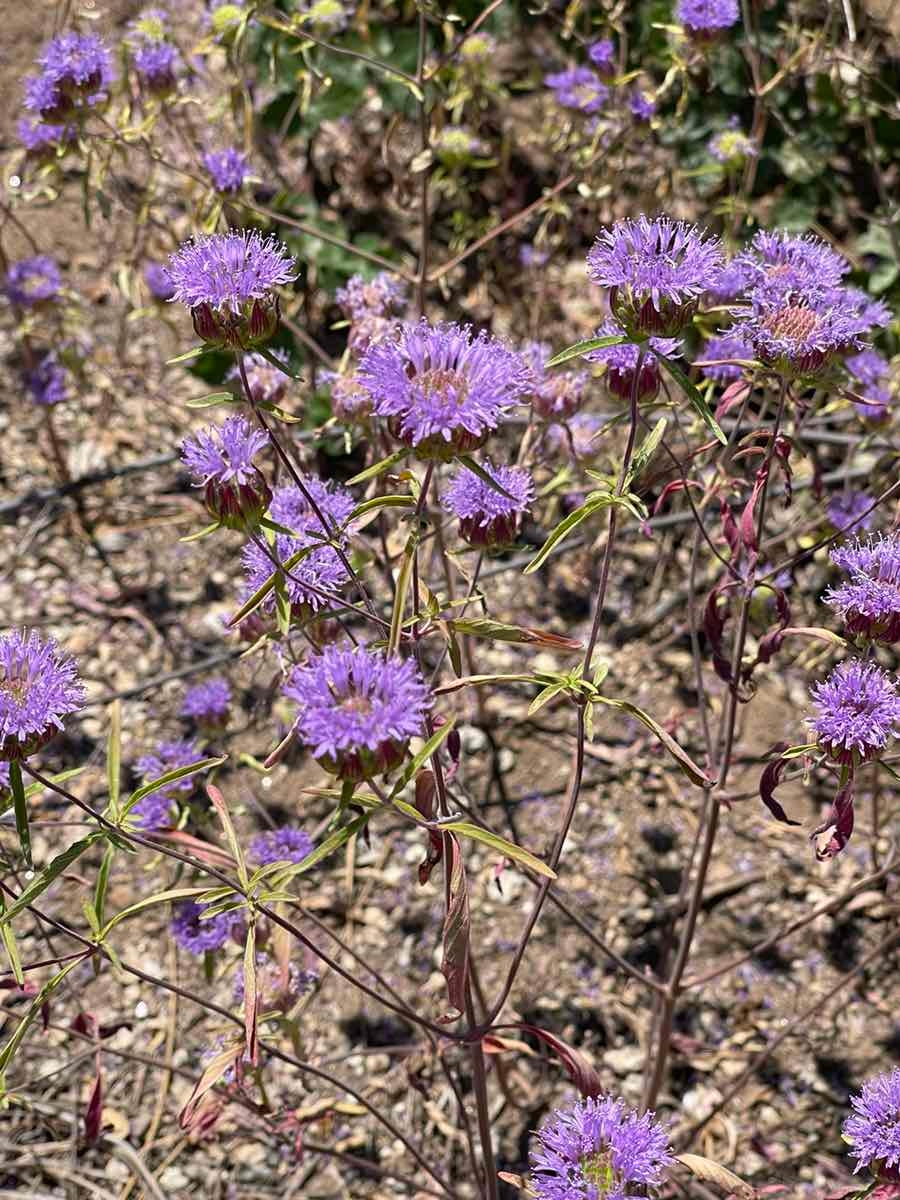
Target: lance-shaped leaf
(211,399)
(579,348)
(404,578)
(378,468)
(645,451)
(696,401)
(455,961)
(21,810)
(565,527)
(52,871)
(251,996)
(9,945)
(680,755)
(114,757)
(430,748)
(185,893)
(152,785)
(218,803)
(500,845)
(34,1009)
(252,603)
(768,782)
(579,1069)
(713,1172)
(500,631)
(210,1077)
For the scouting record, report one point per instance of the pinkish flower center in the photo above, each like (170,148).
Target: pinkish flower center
(444,383)
(360,705)
(792,322)
(16,687)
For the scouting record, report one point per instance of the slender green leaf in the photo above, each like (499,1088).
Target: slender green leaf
(234,845)
(684,760)
(378,468)
(333,842)
(102,883)
(580,348)
(211,399)
(500,844)
(114,757)
(33,1009)
(185,893)
(471,465)
(377,502)
(564,528)
(21,808)
(645,451)
(9,944)
(52,871)
(547,694)
(696,400)
(201,533)
(263,590)
(195,352)
(404,577)
(153,785)
(275,361)
(280,414)
(431,747)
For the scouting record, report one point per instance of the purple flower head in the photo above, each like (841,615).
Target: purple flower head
(849,510)
(320,572)
(158,281)
(656,271)
(531,257)
(383,296)
(280,845)
(221,461)
(154,810)
(870,385)
(227,280)
(357,709)
(603,55)
(868,367)
(350,400)
(578,437)
(77,73)
(278,989)
(731,344)
(798,337)
(199,936)
(731,146)
(156,63)
(267,383)
(869,601)
(33,281)
(208,703)
(487,517)
(555,395)
(228,169)
(857,711)
(39,686)
(41,139)
(596,1149)
(872,314)
(733,281)
(641,105)
(579,88)
(324,16)
(442,389)
(621,362)
(873,1129)
(706,18)
(780,266)
(47,382)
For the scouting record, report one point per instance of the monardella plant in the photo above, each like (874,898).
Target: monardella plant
(39,688)
(873,1129)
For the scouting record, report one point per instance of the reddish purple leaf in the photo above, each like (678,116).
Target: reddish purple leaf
(734,394)
(769,781)
(730,529)
(838,823)
(580,1071)
(674,485)
(455,964)
(94,1111)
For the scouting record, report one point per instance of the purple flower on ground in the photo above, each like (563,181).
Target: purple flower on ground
(555,395)
(221,461)
(442,389)
(857,711)
(32,281)
(280,845)
(656,271)
(155,63)
(731,344)
(597,1148)
(799,336)
(77,72)
(47,381)
(707,17)
(487,517)
(208,702)
(39,686)
(641,105)
(357,709)
(320,573)
(199,936)
(227,280)
(579,436)
(228,169)
(603,55)
(383,296)
(873,1129)
(40,138)
(278,990)
(579,88)
(849,510)
(869,602)
(868,367)
(731,146)
(621,362)
(158,281)
(154,811)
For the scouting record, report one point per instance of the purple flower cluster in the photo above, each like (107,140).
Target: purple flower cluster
(47,381)
(32,281)
(383,296)
(199,936)
(555,395)
(350,399)
(597,1148)
(578,88)
(850,510)
(39,686)
(578,436)
(158,281)
(603,55)
(208,702)
(857,711)
(227,280)
(41,139)
(873,1129)
(621,362)
(357,709)
(870,376)
(656,271)
(227,168)
(280,845)
(799,337)
(155,58)
(869,601)
(641,105)
(155,810)
(488,517)
(442,389)
(320,573)
(221,461)
(705,18)
(77,73)
(731,344)
(266,382)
